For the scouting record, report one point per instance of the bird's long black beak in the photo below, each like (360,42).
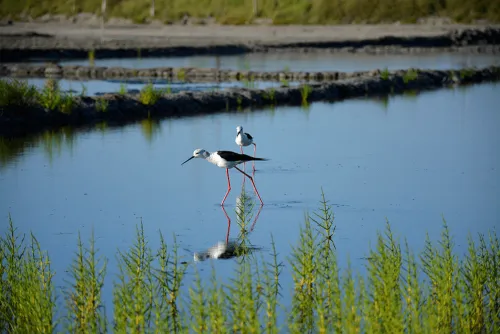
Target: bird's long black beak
(187,160)
(238,132)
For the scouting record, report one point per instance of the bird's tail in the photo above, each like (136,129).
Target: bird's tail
(260,159)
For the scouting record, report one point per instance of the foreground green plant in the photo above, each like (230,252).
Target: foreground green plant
(27,301)
(433,292)
(83,297)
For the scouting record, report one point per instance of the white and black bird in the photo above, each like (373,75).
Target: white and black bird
(244,139)
(227,160)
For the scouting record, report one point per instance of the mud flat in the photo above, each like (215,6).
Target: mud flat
(23,41)
(23,119)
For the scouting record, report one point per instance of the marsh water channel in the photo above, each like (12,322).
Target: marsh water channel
(283,61)
(410,159)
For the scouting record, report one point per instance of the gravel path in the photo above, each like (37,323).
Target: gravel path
(195,39)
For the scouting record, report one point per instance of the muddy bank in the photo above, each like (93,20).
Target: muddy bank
(21,42)
(187,74)
(22,120)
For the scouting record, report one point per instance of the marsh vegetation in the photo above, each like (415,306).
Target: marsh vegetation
(435,291)
(279,12)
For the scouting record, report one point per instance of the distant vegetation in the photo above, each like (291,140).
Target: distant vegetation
(432,292)
(278,11)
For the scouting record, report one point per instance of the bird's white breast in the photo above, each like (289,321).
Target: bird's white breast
(242,140)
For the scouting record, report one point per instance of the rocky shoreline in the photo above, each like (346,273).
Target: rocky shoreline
(186,74)
(23,45)
(23,120)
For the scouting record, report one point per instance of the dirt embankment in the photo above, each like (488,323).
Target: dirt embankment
(20,41)
(24,119)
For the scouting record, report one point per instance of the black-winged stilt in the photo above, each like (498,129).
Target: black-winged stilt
(244,139)
(227,160)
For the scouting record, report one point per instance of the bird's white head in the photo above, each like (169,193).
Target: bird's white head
(198,153)
(239,129)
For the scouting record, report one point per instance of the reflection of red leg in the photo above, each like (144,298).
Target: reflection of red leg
(253,184)
(228,187)
(256,217)
(228,224)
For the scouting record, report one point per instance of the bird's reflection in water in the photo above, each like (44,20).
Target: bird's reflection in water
(240,246)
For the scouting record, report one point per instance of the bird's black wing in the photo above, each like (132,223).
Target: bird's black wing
(233,156)
(248,135)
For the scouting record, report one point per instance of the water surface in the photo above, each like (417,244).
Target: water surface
(296,61)
(410,159)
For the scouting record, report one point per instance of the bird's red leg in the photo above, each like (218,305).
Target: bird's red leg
(253,184)
(254,149)
(228,187)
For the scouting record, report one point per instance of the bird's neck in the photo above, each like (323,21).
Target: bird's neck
(208,156)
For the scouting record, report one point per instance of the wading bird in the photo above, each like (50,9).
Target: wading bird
(244,139)
(227,160)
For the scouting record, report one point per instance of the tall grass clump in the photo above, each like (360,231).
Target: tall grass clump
(384,74)
(435,291)
(27,301)
(101,104)
(18,93)
(86,313)
(52,98)
(305,91)
(123,89)
(410,75)
(149,95)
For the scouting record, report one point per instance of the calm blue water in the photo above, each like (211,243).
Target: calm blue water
(296,61)
(412,161)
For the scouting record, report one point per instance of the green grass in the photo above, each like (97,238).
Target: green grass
(18,93)
(410,75)
(91,57)
(305,91)
(466,73)
(101,104)
(384,74)
(280,12)
(270,95)
(84,90)
(149,95)
(123,89)
(431,292)
(52,98)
